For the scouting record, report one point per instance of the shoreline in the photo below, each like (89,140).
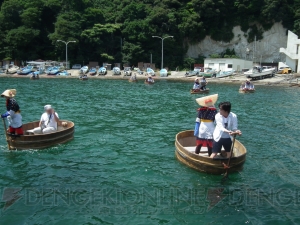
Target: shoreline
(277,80)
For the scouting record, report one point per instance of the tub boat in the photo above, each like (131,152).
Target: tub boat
(200,91)
(40,141)
(246,91)
(185,144)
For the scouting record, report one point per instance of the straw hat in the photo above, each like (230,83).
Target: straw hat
(248,80)
(10,93)
(207,100)
(196,79)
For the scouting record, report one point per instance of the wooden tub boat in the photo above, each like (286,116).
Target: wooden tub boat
(130,80)
(200,91)
(146,82)
(185,146)
(83,78)
(246,91)
(35,77)
(40,141)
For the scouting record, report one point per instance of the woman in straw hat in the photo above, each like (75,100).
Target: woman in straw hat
(226,125)
(204,127)
(13,113)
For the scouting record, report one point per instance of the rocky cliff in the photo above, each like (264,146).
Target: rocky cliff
(267,49)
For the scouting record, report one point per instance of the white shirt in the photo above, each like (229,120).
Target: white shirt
(49,120)
(232,124)
(225,122)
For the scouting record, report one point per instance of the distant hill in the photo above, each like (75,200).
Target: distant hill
(122,30)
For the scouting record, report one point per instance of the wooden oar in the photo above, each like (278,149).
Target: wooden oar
(5,130)
(228,163)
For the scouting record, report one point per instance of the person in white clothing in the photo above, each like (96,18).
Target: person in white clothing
(48,122)
(248,85)
(226,125)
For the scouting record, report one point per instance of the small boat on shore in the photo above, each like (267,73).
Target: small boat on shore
(185,146)
(84,70)
(258,72)
(199,91)
(93,71)
(12,69)
(102,71)
(116,71)
(65,133)
(25,71)
(246,91)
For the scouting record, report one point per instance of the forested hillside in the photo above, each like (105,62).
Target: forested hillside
(121,30)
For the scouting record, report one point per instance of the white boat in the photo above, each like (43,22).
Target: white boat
(127,71)
(163,73)
(150,72)
(84,70)
(260,72)
(225,73)
(116,71)
(12,69)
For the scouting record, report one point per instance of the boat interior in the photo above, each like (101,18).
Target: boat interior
(189,144)
(62,125)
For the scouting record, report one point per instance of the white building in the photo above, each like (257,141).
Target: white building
(291,52)
(225,64)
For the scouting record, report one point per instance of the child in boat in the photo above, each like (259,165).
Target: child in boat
(13,114)
(226,125)
(196,86)
(203,83)
(204,126)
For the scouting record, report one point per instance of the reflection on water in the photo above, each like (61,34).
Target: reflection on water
(120,168)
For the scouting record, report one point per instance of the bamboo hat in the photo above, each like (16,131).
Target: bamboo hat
(207,100)
(10,93)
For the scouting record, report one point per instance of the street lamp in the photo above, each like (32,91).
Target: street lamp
(162,48)
(66,43)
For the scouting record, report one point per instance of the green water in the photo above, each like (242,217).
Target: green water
(120,168)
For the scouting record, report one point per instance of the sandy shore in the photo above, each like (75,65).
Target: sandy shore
(277,80)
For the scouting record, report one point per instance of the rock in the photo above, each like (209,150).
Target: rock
(267,48)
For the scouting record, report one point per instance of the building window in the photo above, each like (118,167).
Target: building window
(229,66)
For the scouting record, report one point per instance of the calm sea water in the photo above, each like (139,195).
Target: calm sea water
(120,168)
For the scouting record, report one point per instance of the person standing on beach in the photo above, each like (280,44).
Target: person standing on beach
(13,114)
(204,126)
(226,125)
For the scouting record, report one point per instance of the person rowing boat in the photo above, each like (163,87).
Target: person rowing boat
(204,126)
(13,114)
